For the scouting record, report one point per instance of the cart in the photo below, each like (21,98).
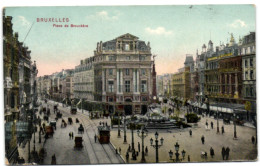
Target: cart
(73,110)
(55,107)
(78,142)
(81,129)
(53,124)
(70,120)
(49,131)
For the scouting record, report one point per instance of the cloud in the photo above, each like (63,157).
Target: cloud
(158,31)
(238,23)
(21,20)
(104,15)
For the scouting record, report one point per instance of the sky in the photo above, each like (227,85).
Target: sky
(173,31)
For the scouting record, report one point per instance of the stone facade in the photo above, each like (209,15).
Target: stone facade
(247,50)
(123,74)
(181,84)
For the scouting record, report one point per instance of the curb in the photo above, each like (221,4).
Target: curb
(118,154)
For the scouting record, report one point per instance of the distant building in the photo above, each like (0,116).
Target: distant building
(181,84)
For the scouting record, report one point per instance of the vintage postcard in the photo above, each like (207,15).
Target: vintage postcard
(129,84)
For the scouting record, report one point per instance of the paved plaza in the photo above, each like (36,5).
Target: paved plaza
(240,150)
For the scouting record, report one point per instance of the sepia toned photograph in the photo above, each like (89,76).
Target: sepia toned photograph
(90,85)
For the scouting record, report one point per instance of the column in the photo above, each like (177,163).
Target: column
(230,83)
(103,81)
(137,82)
(220,83)
(117,80)
(226,83)
(236,84)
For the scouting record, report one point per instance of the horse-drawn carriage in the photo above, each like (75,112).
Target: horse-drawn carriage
(78,142)
(81,129)
(53,124)
(55,107)
(70,120)
(63,123)
(49,131)
(239,122)
(73,110)
(46,117)
(58,114)
(226,120)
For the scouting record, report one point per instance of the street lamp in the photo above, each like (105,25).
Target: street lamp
(234,122)
(125,141)
(177,154)
(118,134)
(144,133)
(156,146)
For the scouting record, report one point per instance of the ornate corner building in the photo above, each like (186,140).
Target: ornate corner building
(120,76)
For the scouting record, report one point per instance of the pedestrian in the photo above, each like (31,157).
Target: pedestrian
(207,124)
(211,123)
(212,152)
(95,137)
(129,148)
(190,132)
(202,139)
(253,140)
(127,156)
(188,158)
(70,135)
(227,153)
(146,150)
(223,152)
(139,146)
(41,130)
(222,130)
(53,160)
(43,126)
(116,151)
(119,150)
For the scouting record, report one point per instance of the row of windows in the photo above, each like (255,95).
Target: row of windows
(127,71)
(251,62)
(127,86)
(251,75)
(112,58)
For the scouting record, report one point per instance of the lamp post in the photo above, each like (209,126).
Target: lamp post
(234,122)
(118,133)
(125,141)
(177,154)
(217,121)
(144,133)
(133,143)
(156,145)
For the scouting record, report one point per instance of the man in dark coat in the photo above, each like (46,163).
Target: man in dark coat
(139,146)
(227,153)
(253,140)
(146,150)
(190,132)
(211,123)
(223,152)
(95,137)
(222,130)
(127,156)
(202,139)
(212,152)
